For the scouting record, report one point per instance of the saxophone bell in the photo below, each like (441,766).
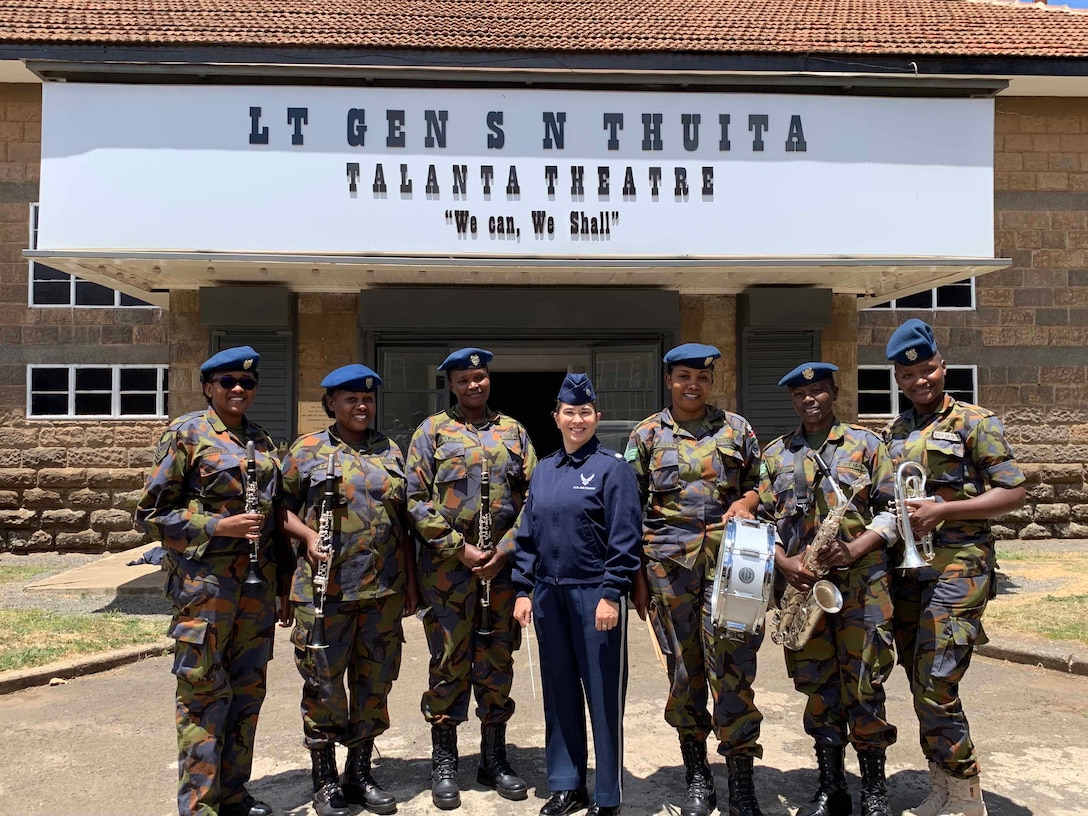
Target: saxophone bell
(827,596)
(910,485)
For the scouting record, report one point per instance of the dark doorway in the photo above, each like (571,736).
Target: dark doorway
(529,397)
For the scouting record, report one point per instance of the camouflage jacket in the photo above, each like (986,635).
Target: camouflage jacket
(369,536)
(199,477)
(444,464)
(964,451)
(849,452)
(686,483)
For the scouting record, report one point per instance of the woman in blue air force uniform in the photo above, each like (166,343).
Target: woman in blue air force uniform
(577,553)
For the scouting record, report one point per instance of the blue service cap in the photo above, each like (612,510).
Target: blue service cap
(911,343)
(808,373)
(239,358)
(466,358)
(576,390)
(354,377)
(692,355)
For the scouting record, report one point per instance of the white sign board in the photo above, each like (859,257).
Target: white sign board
(515,173)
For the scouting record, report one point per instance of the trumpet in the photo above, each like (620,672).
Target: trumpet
(253,498)
(910,485)
(324,546)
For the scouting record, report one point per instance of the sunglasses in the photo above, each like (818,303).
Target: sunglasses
(228,382)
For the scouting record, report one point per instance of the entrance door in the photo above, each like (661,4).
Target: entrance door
(529,397)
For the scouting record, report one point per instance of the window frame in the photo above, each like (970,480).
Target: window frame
(892,304)
(901,403)
(162,394)
(32,243)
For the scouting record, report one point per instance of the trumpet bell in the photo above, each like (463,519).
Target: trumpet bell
(827,596)
(911,559)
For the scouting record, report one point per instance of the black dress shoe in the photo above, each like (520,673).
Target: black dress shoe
(246,807)
(563,802)
(603,810)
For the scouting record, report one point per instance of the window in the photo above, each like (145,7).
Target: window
(51,287)
(104,392)
(878,395)
(951,296)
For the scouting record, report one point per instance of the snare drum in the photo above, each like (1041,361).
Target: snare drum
(743,578)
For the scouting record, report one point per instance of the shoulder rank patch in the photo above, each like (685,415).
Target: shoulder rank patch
(631,454)
(166,444)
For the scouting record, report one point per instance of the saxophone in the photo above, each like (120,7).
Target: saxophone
(798,613)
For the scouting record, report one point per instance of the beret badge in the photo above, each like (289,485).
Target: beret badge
(912,354)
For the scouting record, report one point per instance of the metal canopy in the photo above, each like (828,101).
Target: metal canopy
(150,275)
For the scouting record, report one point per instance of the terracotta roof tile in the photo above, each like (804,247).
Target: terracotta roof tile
(878,27)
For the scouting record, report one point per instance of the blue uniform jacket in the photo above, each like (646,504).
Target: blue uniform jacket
(582,523)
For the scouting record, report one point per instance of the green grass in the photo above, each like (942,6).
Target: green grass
(1058,618)
(34,637)
(23,573)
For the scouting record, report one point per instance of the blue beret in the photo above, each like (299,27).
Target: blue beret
(240,358)
(353,377)
(692,355)
(808,373)
(466,358)
(911,343)
(576,390)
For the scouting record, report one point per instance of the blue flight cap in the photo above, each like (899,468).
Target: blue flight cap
(692,355)
(576,390)
(466,358)
(808,373)
(239,358)
(911,343)
(352,377)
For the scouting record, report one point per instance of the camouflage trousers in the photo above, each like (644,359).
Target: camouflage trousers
(461,660)
(843,667)
(224,630)
(698,658)
(364,640)
(937,625)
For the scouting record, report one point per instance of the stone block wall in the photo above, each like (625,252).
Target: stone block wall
(1029,333)
(72,486)
(713,319)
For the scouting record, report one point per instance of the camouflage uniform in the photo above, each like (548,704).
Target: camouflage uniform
(843,667)
(223,627)
(444,464)
(687,484)
(938,608)
(364,601)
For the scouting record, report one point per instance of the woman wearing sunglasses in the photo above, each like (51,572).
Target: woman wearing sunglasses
(224,574)
(577,554)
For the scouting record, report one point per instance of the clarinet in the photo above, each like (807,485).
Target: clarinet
(253,499)
(324,546)
(485,543)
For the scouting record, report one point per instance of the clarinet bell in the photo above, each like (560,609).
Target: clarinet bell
(484,629)
(254,577)
(317,636)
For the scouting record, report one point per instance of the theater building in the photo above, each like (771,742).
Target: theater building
(575,186)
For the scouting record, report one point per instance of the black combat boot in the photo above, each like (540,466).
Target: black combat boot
(874,795)
(328,798)
(702,798)
(832,797)
(495,771)
(742,789)
(444,791)
(359,786)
